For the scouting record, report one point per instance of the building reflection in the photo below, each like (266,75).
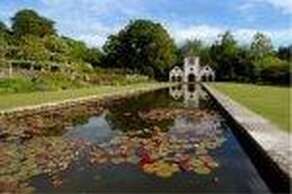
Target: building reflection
(191,94)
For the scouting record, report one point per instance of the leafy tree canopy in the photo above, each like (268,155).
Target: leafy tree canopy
(285,53)
(77,49)
(196,48)
(3,27)
(261,45)
(32,48)
(223,53)
(93,56)
(55,44)
(192,47)
(143,46)
(5,35)
(27,21)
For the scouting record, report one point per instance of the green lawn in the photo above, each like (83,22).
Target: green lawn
(8,101)
(272,102)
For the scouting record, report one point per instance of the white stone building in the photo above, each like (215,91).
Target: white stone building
(192,72)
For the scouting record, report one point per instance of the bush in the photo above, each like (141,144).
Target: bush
(17,84)
(56,81)
(274,70)
(277,73)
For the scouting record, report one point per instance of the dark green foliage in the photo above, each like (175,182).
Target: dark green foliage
(93,56)
(77,49)
(196,48)
(3,28)
(143,46)
(285,53)
(192,47)
(5,35)
(244,68)
(274,70)
(29,22)
(17,84)
(223,54)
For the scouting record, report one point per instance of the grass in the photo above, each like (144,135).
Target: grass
(24,81)
(9,101)
(272,102)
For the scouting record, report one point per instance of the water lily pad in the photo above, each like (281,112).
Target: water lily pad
(161,169)
(202,170)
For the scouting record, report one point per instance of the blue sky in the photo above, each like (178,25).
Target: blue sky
(93,20)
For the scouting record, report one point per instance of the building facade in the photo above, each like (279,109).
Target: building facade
(192,72)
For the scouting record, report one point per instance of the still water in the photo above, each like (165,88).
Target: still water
(168,141)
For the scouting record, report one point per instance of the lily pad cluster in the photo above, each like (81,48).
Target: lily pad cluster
(49,156)
(26,150)
(162,154)
(14,171)
(160,114)
(20,125)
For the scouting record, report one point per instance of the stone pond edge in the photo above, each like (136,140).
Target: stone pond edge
(267,137)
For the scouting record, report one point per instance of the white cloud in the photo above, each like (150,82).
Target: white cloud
(206,33)
(93,31)
(94,34)
(203,32)
(80,19)
(92,40)
(284,5)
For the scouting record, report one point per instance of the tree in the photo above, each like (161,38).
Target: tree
(3,28)
(5,41)
(196,48)
(28,22)
(93,56)
(77,49)
(274,70)
(142,45)
(57,48)
(245,69)
(5,35)
(55,44)
(261,45)
(285,53)
(223,54)
(192,47)
(32,48)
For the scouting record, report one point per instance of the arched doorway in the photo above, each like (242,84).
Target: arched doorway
(205,78)
(191,77)
(173,78)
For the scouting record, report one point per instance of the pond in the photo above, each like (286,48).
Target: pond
(168,141)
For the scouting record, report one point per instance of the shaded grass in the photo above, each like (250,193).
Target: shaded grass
(272,102)
(9,101)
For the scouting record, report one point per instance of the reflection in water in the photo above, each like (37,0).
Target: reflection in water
(151,143)
(190,93)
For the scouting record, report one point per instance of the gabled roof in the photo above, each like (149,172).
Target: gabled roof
(176,69)
(207,68)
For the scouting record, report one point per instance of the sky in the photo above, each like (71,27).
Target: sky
(93,21)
